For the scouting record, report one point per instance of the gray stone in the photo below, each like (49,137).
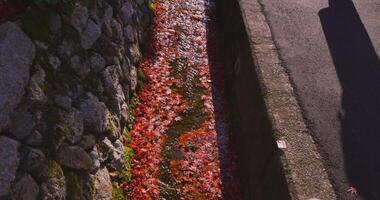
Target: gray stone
(80,67)
(102,184)
(133,53)
(129,33)
(95,115)
(35,90)
(63,101)
(79,18)
(34,139)
(53,189)
(133,77)
(54,62)
(22,123)
(94,154)
(87,142)
(76,126)
(112,152)
(105,149)
(108,14)
(97,63)
(25,189)
(9,160)
(74,157)
(16,56)
(117,30)
(90,35)
(109,48)
(111,78)
(126,12)
(66,48)
(117,156)
(32,159)
(125,67)
(41,45)
(70,125)
(124,112)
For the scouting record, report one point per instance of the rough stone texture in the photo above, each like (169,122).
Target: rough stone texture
(34,139)
(80,66)
(35,90)
(112,86)
(108,13)
(114,152)
(79,18)
(90,35)
(66,48)
(126,12)
(63,101)
(117,30)
(97,63)
(134,52)
(133,77)
(9,159)
(74,157)
(95,115)
(16,55)
(25,189)
(32,159)
(54,189)
(129,33)
(23,124)
(94,154)
(53,186)
(117,156)
(87,142)
(77,91)
(102,185)
(74,123)
(54,62)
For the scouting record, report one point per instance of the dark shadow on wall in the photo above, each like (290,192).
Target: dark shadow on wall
(358,69)
(226,137)
(261,175)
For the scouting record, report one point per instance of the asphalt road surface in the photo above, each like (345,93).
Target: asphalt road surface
(330,49)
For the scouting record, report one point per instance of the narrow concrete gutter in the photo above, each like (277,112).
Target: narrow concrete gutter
(278,158)
(304,170)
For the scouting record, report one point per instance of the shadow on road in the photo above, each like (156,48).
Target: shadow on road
(358,69)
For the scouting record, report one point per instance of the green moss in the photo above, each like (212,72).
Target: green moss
(126,135)
(118,193)
(131,111)
(152,5)
(54,170)
(74,189)
(111,128)
(126,174)
(141,79)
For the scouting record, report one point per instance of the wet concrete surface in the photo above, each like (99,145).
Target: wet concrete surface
(330,50)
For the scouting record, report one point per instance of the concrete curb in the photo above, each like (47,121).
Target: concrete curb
(303,166)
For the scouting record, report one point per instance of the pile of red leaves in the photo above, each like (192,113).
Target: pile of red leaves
(183,32)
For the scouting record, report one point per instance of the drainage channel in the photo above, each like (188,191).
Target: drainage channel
(182,137)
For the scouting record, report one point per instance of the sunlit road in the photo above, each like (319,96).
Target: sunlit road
(330,50)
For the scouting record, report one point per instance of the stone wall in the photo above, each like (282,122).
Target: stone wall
(66,82)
